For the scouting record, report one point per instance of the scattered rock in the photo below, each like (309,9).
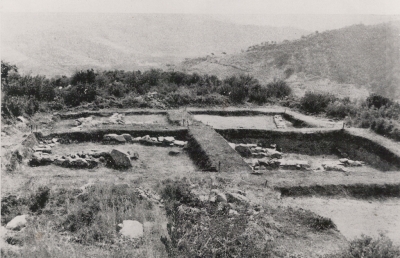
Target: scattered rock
(233,212)
(114,138)
(169,139)
(243,151)
(174,152)
(22,119)
(134,156)
(294,164)
(179,143)
(44,150)
(219,196)
(236,198)
(30,141)
(131,229)
(17,223)
(333,167)
(78,163)
(120,160)
(127,137)
(136,139)
(100,154)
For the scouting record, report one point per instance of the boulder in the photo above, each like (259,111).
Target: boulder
(136,139)
(127,137)
(119,159)
(78,163)
(92,163)
(273,154)
(243,151)
(17,223)
(219,196)
(40,161)
(333,167)
(30,141)
(146,138)
(160,139)
(44,150)
(179,143)
(114,138)
(54,140)
(169,139)
(23,119)
(174,152)
(59,162)
(131,229)
(254,162)
(100,154)
(237,198)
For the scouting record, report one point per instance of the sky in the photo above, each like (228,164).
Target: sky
(310,15)
(349,7)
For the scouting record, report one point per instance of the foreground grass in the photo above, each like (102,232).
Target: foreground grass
(76,223)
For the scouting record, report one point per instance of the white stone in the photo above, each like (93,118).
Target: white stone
(131,228)
(17,223)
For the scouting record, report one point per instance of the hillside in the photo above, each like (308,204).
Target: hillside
(352,61)
(51,44)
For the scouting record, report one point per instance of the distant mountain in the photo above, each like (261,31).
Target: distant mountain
(61,43)
(351,61)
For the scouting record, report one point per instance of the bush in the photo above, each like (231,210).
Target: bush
(278,89)
(117,89)
(179,98)
(18,106)
(83,77)
(378,101)
(339,109)
(316,102)
(80,93)
(367,247)
(258,94)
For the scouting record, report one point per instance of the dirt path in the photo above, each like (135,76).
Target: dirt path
(356,217)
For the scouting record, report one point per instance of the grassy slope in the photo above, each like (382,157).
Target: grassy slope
(338,61)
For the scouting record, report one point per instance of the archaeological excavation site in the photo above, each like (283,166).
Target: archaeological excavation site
(116,182)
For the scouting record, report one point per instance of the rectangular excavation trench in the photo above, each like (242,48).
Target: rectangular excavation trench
(320,142)
(210,153)
(249,119)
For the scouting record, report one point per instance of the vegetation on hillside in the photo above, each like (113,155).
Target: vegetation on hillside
(359,54)
(26,94)
(378,113)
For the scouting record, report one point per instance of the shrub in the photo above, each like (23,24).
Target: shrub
(367,247)
(179,98)
(316,102)
(117,89)
(80,93)
(258,94)
(83,77)
(238,94)
(339,109)
(378,101)
(278,89)
(17,106)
